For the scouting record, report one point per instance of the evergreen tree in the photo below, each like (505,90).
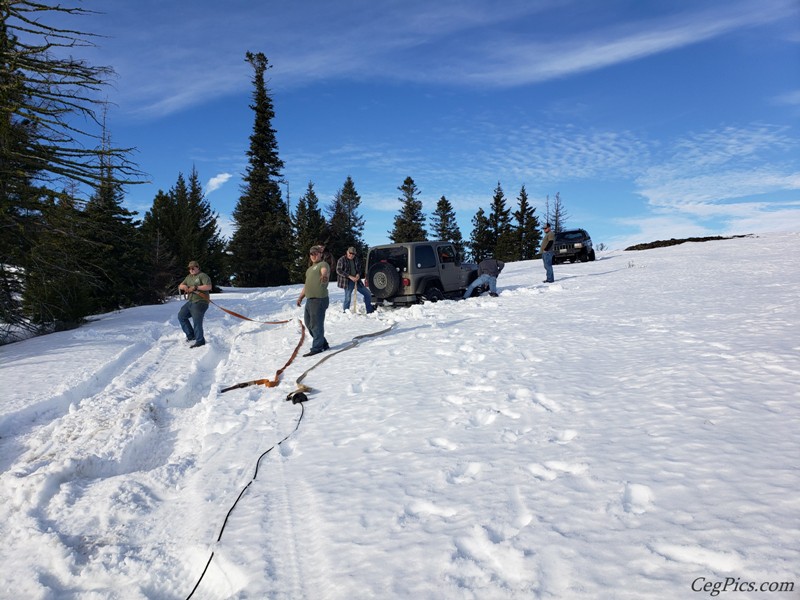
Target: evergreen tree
(59,253)
(481,239)
(181,227)
(261,247)
(116,270)
(346,226)
(159,236)
(43,101)
(409,223)
(500,229)
(526,231)
(310,228)
(445,226)
(556,214)
(207,246)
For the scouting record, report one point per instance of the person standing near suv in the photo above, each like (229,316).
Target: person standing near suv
(348,276)
(196,304)
(315,291)
(547,253)
(488,272)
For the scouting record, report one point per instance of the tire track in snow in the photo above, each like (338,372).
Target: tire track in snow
(71,465)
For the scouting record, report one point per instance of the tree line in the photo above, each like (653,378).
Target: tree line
(69,248)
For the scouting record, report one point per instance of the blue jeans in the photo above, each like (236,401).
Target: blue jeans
(314,318)
(362,289)
(482,280)
(547,259)
(195,311)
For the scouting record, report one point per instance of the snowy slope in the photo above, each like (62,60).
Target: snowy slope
(631,431)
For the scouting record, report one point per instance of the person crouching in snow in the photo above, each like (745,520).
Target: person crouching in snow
(488,272)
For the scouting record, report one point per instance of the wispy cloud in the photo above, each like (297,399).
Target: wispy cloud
(516,59)
(715,167)
(217,182)
(788,99)
(182,59)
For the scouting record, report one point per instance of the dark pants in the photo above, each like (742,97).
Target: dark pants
(547,260)
(362,289)
(314,318)
(195,311)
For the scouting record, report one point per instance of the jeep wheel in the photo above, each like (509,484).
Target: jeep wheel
(433,293)
(383,280)
(592,255)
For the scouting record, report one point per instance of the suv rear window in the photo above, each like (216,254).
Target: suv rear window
(396,255)
(424,257)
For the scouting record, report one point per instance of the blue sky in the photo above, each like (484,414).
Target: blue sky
(651,119)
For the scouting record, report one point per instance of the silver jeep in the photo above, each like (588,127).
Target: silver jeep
(412,272)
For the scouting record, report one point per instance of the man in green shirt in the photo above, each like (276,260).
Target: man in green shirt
(315,291)
(197,286)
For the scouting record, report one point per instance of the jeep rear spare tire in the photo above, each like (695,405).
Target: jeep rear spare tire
(384,281)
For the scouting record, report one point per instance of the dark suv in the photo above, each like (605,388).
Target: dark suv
(572,245)
(410,272)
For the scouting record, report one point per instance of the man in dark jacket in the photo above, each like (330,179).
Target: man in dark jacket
(548,244)
(488,271)
(348,277)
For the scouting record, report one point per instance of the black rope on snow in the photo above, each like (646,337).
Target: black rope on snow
(239,497)
(297,397)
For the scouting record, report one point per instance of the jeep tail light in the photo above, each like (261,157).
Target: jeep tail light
(406,282)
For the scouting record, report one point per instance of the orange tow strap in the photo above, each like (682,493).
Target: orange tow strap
(267,382)
(276,380)
(235,314)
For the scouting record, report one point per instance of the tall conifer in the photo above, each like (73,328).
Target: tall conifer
(310,228)
(409,223)
(526,230)
(500,230)
(346,225)
(261,248)
(445,226)
(481,242)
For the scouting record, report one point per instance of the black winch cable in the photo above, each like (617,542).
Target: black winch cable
(298,396)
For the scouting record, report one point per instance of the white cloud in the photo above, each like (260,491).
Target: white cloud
(217,182)
(789,98)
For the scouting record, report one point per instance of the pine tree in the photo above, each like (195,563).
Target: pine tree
(261,247)
(116,268)
(526,231)
(181,227)
(159,236)
(207,246)
(346,226)
(481,239)
(445,226)
(556,214)
(44,100)
(409,223)
(310,228)
(500,230)
(60,253)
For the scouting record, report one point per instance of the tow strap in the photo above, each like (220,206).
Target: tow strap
(207,297)
(297,397)
(275,380)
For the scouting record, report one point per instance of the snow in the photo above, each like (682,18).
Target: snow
(631,431)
